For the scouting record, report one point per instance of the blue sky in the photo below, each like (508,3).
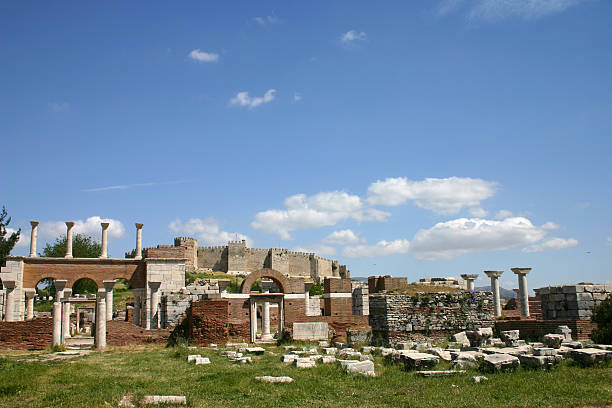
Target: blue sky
(418,139)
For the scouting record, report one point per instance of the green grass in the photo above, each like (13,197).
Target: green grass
(101,379)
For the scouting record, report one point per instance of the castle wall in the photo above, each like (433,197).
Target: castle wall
(279,260)
(257,259)
(213,258)
(190,248)
(299,264)
(236,257)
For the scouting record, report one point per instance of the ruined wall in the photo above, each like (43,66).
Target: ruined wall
(257,259)
(190,251)
(236,257)
(213,258)
(164,251)
(400,317)
(26,335)
(535,329)
(299,263)
(361,301)
(378,284)
(572,301)
(208,321)
(279,260)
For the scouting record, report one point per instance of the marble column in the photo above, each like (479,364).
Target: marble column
(78,319)
(469,279)
(104,239)
(33,238)
(494,275)
(523,290)
(9,300)
(153,322)
(108,287)
(69,227)
(265,322)
(101,323)
(29,294)
(253,321)
(57,324)
(138,241)
(136,311)
(66,314)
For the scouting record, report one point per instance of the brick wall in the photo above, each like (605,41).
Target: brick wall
(383,283)
(26,335)
(208,321)
(535,329)
(122,333)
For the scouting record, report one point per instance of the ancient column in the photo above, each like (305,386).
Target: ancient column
(33,238)
(108,287)
(524,291)
(153,322)
(69,226)
(9,300)
(138,241)
(29,294)
(78,319)
(104,239)
(136,311)
(265,313)
(66,314)
(494,275)
(470,278)
(57,324)
(101,323)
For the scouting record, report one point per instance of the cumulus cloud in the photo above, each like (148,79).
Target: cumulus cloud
(381,248)
(243,99)
(206,231)
(440,195)
(550,226)
(24,238)
(352,36)
(203,56)
(320,210)
(493,10)
(91,227)
(318,249)
(266,20)
(552,243)
(449,239)
(343,237)
(478,212)
(503,214)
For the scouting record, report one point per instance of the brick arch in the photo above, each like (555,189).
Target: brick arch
(276,276)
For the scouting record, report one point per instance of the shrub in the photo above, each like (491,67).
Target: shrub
(316,289)
(602,315)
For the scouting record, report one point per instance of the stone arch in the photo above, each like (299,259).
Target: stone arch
(282,281)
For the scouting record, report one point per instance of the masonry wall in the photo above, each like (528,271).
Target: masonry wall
(535,329)
(378,284)
(299,264)
(1,305)
(572,301)
(213,258)
(236,257)
(257,259)
(190,248)
(397,317)
(26,335)
(279,260)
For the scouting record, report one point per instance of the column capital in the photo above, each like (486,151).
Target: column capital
(469,276)
(105,225)
(9,284)
(154,285)
(494,274)
(34,224)
(70,224)
(139,225)
(30,293)
(60,284)
(521,271)
(108,284)
(67,293)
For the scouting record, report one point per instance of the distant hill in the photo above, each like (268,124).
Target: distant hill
(505,293)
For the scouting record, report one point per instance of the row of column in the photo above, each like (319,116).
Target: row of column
(61,322)
(147,306)
(70,226)
(494,275)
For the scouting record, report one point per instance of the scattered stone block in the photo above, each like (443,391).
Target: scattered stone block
(126,402)
(565,331)
(202,361)
(443,354)
(510,337)
(540,361)
(323,343)
(289,358)
(289,348)
(192,357)
(367,349)
(496,342)
(601,346)
(255,350)
(536,344)
(414,361)
(405,345)
(164,399)
(572,344)
(479,378)
(348,354)
(330,350)
(513,351)
(461,338)
(304,363)
(553,340)
(270,379)
(500,362)
(310,331)
(590,356)
(465,360)
(360,367)
(479,337)
(241,360)
(544,351)
(386,351)
(439,373)
(328,359)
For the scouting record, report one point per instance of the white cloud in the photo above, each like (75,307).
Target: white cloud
(91,227)
(550,226)
(493,10)
(243,99)
(320,210)
(352,36)
(609,241)
(552,243)
(206,231)
(203,56)
(266,20)
(449,239)
(343,237)
(442,196)
(24,238)
(317,249)
(382,248)
(503,214)
(478,212)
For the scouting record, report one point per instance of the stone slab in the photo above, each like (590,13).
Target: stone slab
(311,331)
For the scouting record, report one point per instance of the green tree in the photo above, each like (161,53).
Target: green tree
(316,289)
(6,243)
(83,246)
(602,315)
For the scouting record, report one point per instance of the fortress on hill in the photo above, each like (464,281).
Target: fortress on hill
(235,258)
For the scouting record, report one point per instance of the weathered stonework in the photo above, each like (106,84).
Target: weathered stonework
(396,317)
(572,301)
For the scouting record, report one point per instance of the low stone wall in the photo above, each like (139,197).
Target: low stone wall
(26,335)
(396,317)
(535,329)
(122,333)
(572,301)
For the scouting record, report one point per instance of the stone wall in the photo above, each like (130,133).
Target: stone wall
(190,248)
(14,271)
(535,329)
(397,317)
(1,305)
(572,301)
(236,257)
(213,258)
(208,321)
(361,301)
(122,333)
(378,284)
(170,272)
(26,335)
(257,259)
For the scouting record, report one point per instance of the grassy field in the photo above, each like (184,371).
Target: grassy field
(101,379)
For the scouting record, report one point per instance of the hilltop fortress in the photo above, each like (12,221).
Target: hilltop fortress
(235,258)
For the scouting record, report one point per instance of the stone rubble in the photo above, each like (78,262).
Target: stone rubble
(500,362)
(270,379)
(553,340)
(510,337)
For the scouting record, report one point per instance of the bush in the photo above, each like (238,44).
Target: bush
(602,315)
(316,289)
